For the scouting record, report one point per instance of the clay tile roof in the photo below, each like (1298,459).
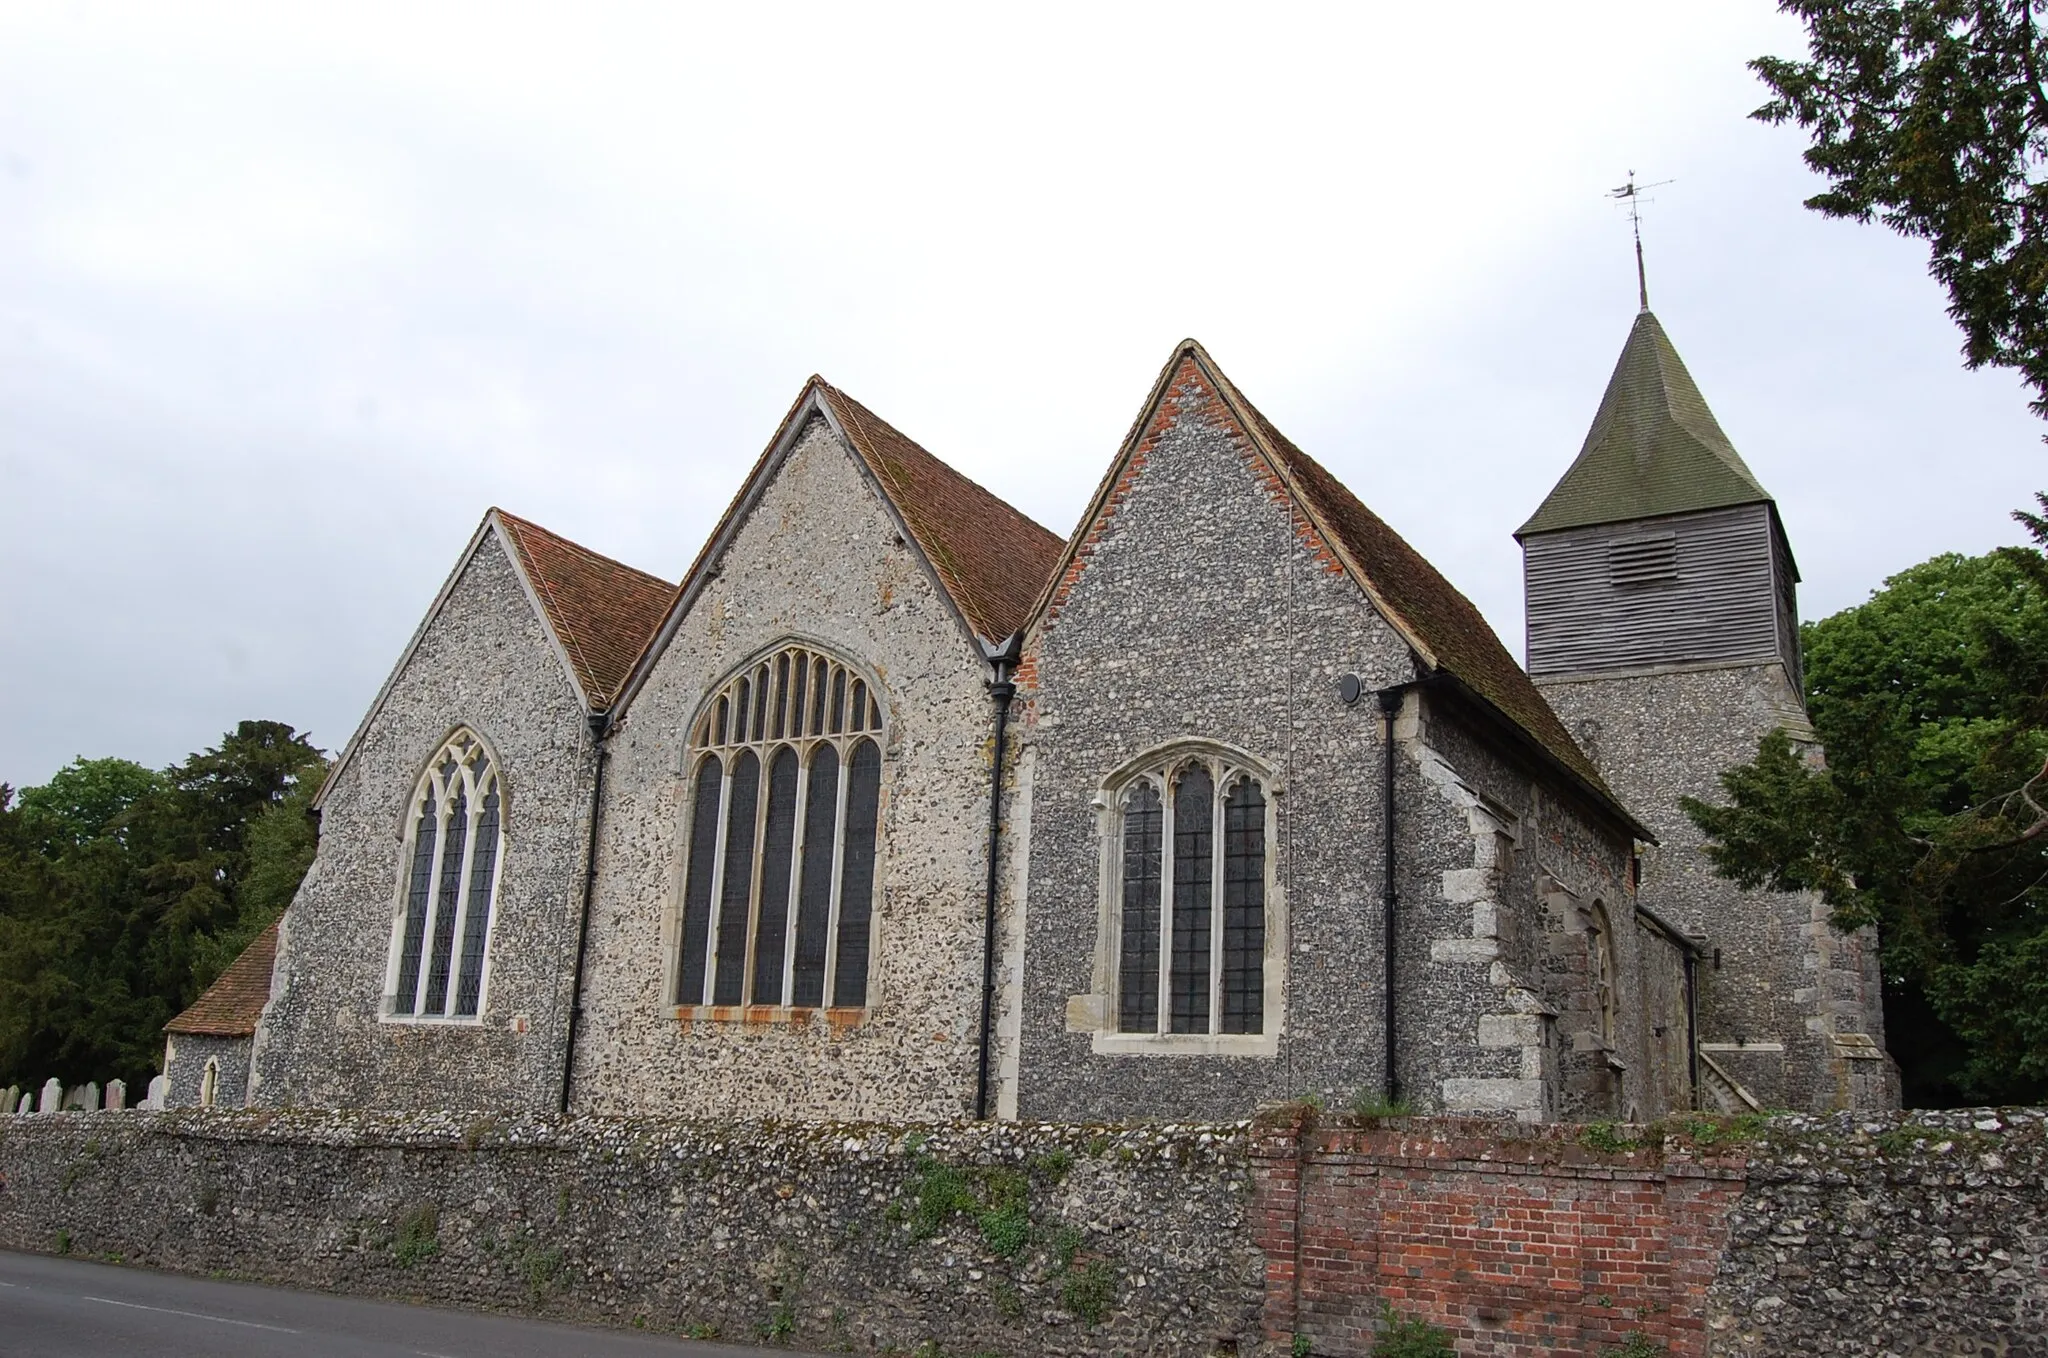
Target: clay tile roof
(1441,617)
(989,557)
(1654,448)
(603,611)
(233,1003)
(1421,602)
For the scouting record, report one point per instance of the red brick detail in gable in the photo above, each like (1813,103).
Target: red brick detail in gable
(1189,396)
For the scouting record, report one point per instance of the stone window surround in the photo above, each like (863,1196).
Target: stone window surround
(689,758)
(407,838)
(1225,761)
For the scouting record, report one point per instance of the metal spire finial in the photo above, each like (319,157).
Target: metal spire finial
(1632,193)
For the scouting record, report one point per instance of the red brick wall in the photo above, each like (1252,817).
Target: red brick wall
(1517,1241)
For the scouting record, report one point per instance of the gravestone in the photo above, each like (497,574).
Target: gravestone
(11,1099)
(117,1094)
(159,1090)
(53,1096)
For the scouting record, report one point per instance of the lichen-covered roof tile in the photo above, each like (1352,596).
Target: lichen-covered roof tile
(603,611)
(991,559)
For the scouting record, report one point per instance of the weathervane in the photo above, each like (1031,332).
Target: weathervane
(1632,193)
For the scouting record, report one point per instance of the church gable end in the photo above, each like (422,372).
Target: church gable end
(476,754)
(851,550)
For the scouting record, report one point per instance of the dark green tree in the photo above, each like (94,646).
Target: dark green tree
(123,893)
(1930,819)
(1931,116)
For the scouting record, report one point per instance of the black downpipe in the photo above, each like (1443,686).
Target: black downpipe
(1692,1023)
(1390,707)
(1002,690)
(600,729)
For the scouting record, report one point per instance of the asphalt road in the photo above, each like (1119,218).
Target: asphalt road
(68,1308)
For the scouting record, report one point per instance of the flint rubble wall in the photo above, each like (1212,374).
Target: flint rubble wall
(1845,1234)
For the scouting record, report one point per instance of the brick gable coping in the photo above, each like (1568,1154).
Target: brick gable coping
(233,1003)
(1443,628)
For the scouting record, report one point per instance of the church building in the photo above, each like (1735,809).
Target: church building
(902,806)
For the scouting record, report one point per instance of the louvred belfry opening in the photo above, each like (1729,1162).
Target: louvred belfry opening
(785,807)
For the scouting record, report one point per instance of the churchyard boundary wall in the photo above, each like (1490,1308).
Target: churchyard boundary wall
(1922,1235)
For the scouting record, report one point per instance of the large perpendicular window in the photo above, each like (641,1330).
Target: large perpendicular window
(779,885)
(453,841)
(1191,882)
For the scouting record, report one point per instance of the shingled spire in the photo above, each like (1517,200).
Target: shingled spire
(1654,449)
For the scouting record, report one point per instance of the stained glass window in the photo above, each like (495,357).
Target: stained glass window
(779,883)
(441,937)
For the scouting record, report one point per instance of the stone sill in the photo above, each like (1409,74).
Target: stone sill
(837,1017)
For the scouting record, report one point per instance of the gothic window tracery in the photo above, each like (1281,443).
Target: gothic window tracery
(785,799)
(453,842)
(1190,835)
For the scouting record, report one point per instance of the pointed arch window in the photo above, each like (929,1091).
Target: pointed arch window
(1189,837)
(785,802)
(439,945)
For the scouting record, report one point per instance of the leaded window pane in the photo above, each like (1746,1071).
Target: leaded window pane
(476,918)
(441,938)
(1138,969)
(702,881)
(446,899)
(729,977)
(797,710)
(1194,839)
(785,918)
(1244,908)
(778,844)
(857,883)
(814,894)
(419,892)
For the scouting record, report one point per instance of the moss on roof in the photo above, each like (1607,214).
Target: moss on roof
(1654,448)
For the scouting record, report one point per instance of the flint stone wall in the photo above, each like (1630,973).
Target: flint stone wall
(484,662)
(1916,1237)
(1783,979)
(818,559)
(823,1236)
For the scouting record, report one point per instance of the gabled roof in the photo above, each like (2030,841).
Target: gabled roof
(987,559)
(1446,632)
(233,1003)
(601,611)
(597,614)
(1654,448)
(991,559)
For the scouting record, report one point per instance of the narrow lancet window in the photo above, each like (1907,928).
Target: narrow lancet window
(441,938)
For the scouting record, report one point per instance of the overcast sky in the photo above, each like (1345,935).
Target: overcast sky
(286,302)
